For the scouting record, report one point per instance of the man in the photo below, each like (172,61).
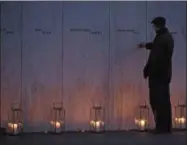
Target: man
(158,70)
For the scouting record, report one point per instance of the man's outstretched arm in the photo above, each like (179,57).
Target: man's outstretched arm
(148,45)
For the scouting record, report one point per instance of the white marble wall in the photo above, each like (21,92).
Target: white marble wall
(82,68)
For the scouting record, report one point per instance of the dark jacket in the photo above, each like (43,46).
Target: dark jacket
(159,64)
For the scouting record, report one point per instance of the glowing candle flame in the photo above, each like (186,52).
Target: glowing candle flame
(140,122)
(180,120)
(57,124)
(13,126)
(97,124)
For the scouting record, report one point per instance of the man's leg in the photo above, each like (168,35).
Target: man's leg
(152,99)
(164,115)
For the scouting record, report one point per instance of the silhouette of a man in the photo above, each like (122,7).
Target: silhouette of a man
(158,70)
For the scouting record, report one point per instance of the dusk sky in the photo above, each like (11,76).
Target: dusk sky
(83,68)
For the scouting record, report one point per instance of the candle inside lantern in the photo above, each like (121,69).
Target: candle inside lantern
(141,123)
(180,120)
(56,124)
(96,124)
(13,126)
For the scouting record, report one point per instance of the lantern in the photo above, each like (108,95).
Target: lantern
(180,119)
(15,123)
(58,118)
(142,120)
(97,123)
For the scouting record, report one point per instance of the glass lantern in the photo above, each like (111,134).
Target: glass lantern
(142,120)
(15,121)
(97,114)
(57,121)
(180,119)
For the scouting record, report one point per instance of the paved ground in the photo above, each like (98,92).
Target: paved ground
(123,138)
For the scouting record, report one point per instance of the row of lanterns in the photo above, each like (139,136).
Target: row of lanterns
(57,123)
(97,115)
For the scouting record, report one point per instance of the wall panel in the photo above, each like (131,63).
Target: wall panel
(85,60)
(128,29)
(42,62)
(11,54)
